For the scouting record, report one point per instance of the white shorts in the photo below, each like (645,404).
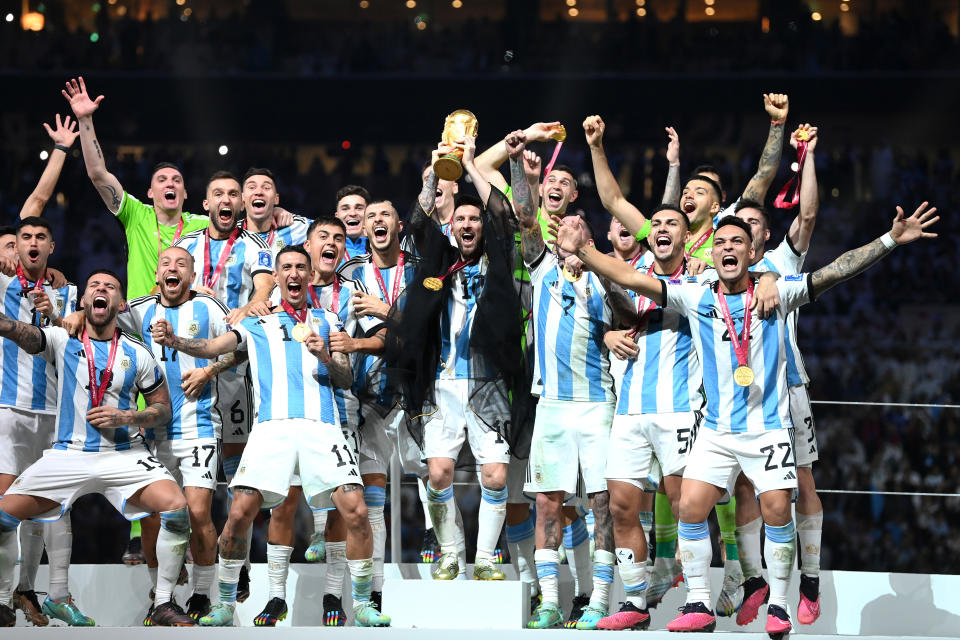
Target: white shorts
(24,436)
(350,435)
(766,459)
(381,437)
(279,448)
(192,463)
(235,406)
(569,439)
(805,432)
(65,475)
(455,422)
(638,441)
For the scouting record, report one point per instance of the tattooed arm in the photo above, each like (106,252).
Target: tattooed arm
(26,336)
(83,108)
(156,413)
(624,309)
(337,363)
(671,191)
(856,261)
(524,205)
(777,106)
(194,380)
(162,332)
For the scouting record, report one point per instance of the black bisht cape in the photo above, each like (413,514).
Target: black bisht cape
(412,353)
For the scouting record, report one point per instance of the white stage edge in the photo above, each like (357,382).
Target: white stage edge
(853,604)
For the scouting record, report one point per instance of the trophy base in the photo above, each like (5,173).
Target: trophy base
(448,167)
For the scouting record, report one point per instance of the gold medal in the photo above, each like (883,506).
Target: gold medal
(434,284)
(559,133)
(743,376)
(802,135)
(300,332)
(570,276)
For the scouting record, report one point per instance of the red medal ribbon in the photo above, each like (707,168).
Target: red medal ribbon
(396,281)
(315,299)
(210,279)
(553,160)
(696,245)
(646,305)
(98,390)
(636,258)
(740,347)
(293,312)
(176,236)
(459,265)
(273,232)
(781,201)
(22,277)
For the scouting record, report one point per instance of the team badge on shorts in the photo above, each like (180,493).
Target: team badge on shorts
(241,470)
(193,328)
(264,259)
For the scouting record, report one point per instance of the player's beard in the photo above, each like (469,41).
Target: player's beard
(111,316)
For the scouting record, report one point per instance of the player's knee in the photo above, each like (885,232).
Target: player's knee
(175,520)
(549,504)
(199,513)
(623,510)
(775,507)
(494,475)
(692,509)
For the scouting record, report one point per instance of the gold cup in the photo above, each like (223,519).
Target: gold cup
(458,124)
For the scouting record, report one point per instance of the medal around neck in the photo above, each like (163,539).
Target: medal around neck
(300,331)
(570,276)
(433,284)
(743,376)
(459,124)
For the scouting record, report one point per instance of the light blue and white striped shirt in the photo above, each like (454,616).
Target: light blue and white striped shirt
(248,257)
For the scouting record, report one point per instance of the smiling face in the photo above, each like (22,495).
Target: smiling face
(350,209)
(167,190)
(558,191)
(758,226)
(292,276)
(382,226)
(732,253)
(668,235)
(34,245)
(326,246)
(699,201)
(175,274)
(223,204)
(466,226)
(260,197)
(102,299)
(624,243)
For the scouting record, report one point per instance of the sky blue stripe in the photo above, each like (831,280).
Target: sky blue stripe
(261,350)
(121,437)
(651,367)
(793,371)
(681,367)
(772,340)
(8,394)
(204,403)
(596,362)
(565,328)
(740,395)
(709,359)
(67,417)
(543,305)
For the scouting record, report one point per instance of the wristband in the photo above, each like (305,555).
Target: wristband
(778,122)
(888,241)
(61,148)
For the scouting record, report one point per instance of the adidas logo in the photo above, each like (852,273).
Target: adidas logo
(812,449)
(353,472)
(790,476)
(207,476)
(238,431)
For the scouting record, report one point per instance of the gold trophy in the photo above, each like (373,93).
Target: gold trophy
(458,124)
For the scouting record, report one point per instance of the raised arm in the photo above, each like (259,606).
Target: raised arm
(489,162)
(26,336)
(671,191)
(63,136)
(856,261)
(162,332)
(480,181)
(610,194)
(801,229)
(156,413)
(83,108)
(777,107)
(524,204)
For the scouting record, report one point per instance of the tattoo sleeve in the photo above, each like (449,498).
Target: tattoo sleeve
(228,361)
(428,195)
(671,191)
(196,347)
(108,190)
(551,532)
(851,263)
(769,161)
(624,309)
(26,336)
(602,521)
(526,210)
(339,370)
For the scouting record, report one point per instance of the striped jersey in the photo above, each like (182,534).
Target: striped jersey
(368,380)
(764,404)
(570,319)
(456,323)
(26,381)
(665,376)
(199,317)
(288,380)
(277,239)
(248,257)
(355,247)
(135,371)
(786,261)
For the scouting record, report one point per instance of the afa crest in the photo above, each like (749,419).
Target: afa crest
(193,328)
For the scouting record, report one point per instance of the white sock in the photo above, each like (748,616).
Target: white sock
(748,541)
(246,561)
(228,579)
(8,557)
(203,578)
(375,498)
(695,548)
(576,541)
(779,552)
(634,577)
(58,536)
(520,540)
(31,551)
(424,503)
(361,573)
(493,511)
(152,572)
(810,531)
(443,514)
(461,542)
(336,568)
(548,568)
(646,522)
(171,546)
(278,565)
(603,562)
(319,521)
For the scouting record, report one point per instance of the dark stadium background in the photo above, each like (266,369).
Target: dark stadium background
(335,92)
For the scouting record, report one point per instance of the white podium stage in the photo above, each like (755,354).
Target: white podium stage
(853,604)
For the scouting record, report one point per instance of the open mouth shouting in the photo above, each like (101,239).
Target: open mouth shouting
(554,198)
(663,242)
(729,261)
(353,225)
(295,288)
(689,205)
(171,281)
(33,255)
(225,215)
(328,257)
(170,197)
(380,233)
(258,206)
